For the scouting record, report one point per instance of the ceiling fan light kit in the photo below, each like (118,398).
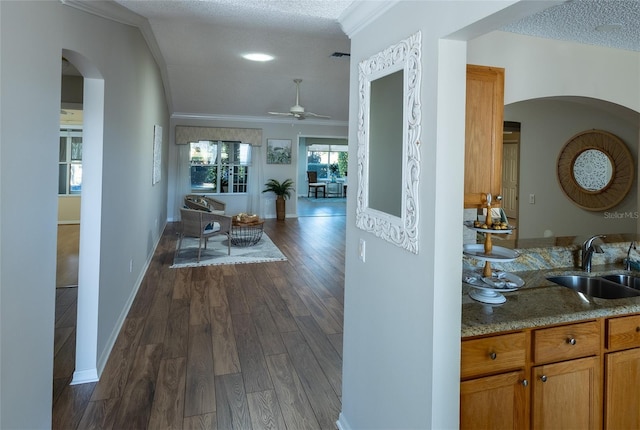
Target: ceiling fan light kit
(298,111)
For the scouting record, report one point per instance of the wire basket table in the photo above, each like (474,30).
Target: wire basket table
(246,233)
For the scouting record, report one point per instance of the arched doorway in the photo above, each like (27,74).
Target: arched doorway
(86,366)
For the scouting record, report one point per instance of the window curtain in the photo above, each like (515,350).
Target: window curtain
(186,134)
(256,179)
(183,178)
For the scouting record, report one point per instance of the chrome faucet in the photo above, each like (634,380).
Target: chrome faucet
(588,248)
(627,262)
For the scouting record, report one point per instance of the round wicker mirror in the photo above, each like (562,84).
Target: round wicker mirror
(595,170)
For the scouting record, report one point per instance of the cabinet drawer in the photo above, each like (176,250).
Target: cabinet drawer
(566,342)
(493,354)
(623,332)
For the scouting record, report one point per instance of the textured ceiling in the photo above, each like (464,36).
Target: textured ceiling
(311,16)
(201,42)
(579,20)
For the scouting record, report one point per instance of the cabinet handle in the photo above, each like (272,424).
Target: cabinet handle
(543,378)
(525,383)
(493,355)
(571,341)
(637,329)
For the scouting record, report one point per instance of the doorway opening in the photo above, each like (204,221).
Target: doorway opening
(91,103)
(69,198)
(327,157)
(511,173)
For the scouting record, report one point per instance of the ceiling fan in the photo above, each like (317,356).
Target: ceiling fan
(298,111)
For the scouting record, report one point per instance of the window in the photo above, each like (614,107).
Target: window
(70,162)
(328,160)
(219,166)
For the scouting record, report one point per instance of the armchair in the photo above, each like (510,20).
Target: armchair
(203,225)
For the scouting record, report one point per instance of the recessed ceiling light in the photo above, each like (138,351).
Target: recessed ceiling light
(257,56)
(609,27)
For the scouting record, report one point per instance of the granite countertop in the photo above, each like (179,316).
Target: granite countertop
(540,302)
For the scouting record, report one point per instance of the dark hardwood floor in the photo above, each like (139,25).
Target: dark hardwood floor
(251,346)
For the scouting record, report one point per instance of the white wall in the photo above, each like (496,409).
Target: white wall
(270,130)
(69,209)
(133,211)
(547,124)
(402,311)
(537,68)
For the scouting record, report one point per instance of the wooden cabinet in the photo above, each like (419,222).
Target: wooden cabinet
(566,342)
(546,378)
(623,332)
(494,393)
(622,373)
(493,354)
(583,375)
(483,134)
(566,395)
(496,402)
(566,388)
(622,390)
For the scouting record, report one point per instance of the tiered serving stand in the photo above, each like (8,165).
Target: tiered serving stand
(486,286)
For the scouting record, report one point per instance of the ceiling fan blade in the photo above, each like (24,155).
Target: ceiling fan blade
(281,113)
(298,111)
(317,115)
(297,82)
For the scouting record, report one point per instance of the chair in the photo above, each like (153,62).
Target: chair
(204,203)
(312,177)
(203,225)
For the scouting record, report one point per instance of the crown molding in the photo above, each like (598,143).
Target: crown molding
(107,9)
(259,119)
(360,13)
(113,11)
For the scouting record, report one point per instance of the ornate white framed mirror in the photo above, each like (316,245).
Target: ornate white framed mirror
(389,120)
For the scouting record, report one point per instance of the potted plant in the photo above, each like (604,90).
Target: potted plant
(333,168)
(282,190)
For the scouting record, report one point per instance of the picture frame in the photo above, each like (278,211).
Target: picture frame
(157,154)
(278,151)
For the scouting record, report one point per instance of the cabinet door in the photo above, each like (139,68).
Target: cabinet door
(494,402)
(483,134)
(567,395)
(622,395)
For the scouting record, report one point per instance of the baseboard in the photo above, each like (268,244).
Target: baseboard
(342,423)
(287,216)
(84,377)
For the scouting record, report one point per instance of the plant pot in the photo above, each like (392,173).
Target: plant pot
(280,208)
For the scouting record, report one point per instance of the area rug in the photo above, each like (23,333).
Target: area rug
(216,253)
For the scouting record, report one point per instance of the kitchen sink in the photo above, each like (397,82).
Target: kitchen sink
(625,279)
(600,287)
